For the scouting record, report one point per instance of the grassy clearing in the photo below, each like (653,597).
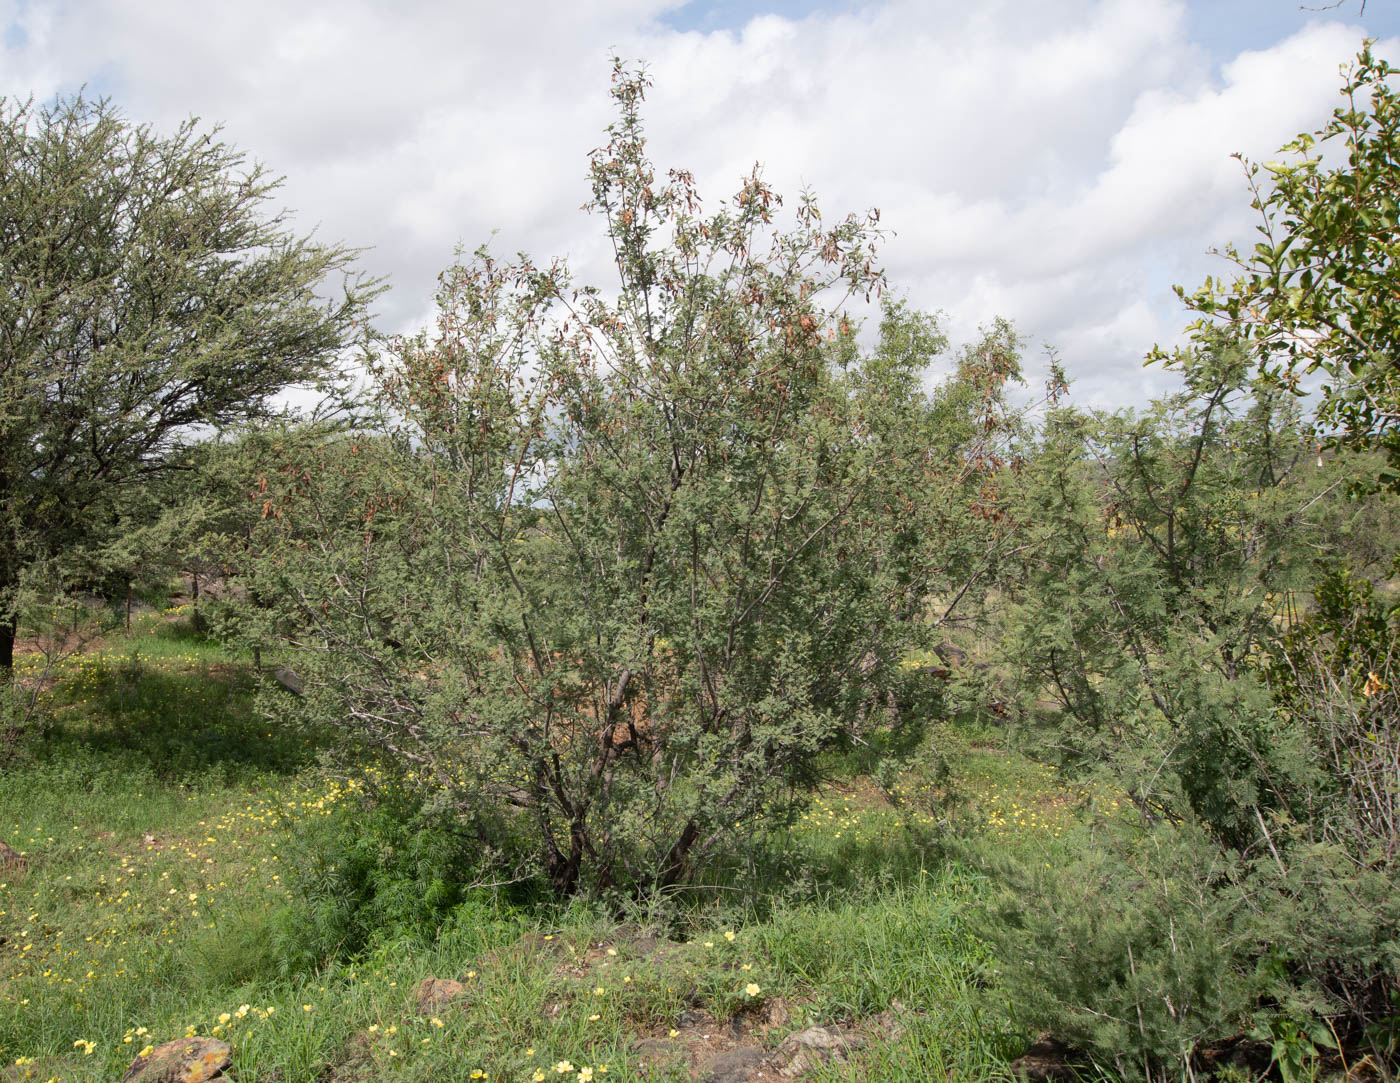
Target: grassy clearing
(186,871)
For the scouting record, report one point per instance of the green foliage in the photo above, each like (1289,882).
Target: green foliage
(149,296)
(1159,549)
(1317,293)
(1294,1046)
(1274,713)
(1334,675)
(1148,947)
(619,571)
(1149,640)
(371,871)
(1125,951)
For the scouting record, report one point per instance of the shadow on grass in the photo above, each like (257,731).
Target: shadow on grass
(178,637)
(773,874)
(193,725)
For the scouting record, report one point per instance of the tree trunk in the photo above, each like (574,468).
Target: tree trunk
(9,618)
(7,648)
(563,872)
(675,865)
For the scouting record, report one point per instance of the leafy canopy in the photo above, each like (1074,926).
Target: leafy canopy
(1317,293)
(148,297)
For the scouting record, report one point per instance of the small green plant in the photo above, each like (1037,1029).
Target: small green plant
(1383,1036)
(1295,1046)
(372,869)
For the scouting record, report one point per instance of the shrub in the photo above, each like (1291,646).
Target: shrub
(620,571)
(1334,675)
(367,871)
(1127,953)
(1149,636)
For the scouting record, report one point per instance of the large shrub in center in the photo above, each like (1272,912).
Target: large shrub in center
(623,564)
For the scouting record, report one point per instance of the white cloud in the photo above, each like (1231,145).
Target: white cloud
(1059,162)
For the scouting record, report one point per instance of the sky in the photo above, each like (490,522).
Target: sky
(1060,163)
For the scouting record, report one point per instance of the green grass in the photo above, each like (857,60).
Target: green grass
(169,832)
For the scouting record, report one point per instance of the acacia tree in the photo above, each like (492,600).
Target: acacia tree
(626,564)
(147,296)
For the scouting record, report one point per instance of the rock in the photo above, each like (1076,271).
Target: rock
(185,1060)
(814,1047)
(434,994)
(289,680)
(951,655)
(736,1065)
(887,1023)
(1045,1060)
(801,1064)
(822,1038)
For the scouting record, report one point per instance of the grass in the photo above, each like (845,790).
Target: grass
(168,834)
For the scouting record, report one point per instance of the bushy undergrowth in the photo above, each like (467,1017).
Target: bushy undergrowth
(1155,641)
(1128,950)
(381,869)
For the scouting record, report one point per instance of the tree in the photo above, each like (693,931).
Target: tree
(1317,293)
(629,562)
(146,298)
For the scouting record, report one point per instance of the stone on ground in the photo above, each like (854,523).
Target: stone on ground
(185,1060)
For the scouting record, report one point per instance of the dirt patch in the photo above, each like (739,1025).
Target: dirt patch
(756,1047)
(579,960)
(707,1049)
(356,1063)
(12,861)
